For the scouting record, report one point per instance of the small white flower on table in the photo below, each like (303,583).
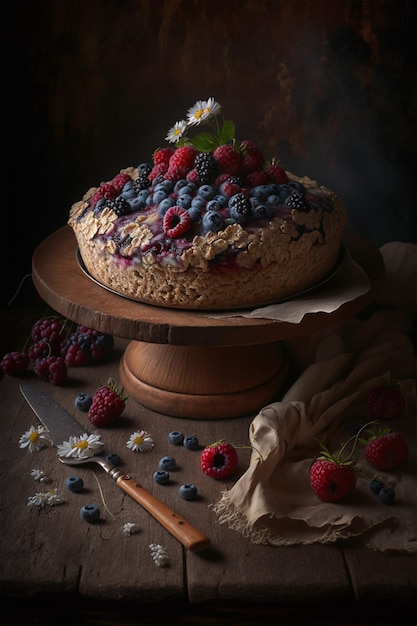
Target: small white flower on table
(35,438)
(129,529)
(43,498)
(140,441)
(159,555)
(39,475)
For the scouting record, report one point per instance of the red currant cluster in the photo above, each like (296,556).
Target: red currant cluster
(56,344)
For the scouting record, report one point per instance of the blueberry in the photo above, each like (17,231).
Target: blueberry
(188,492)
(75,484)
(137,204)
(261,191)
(212,221)
(128,194)
(158,196)
(186,190)
(114,459)
(164,205)
(387,495)
(176,437)
(167,463)
(261,211)
(195,213)
(376,485)
(221,200)
(90,513)
(144,168)
(83,402)
(273,199)
(180,184)
(207,192)
(191,442)
(161,477)
(184,201)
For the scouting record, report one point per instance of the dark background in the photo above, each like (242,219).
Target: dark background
(327,86)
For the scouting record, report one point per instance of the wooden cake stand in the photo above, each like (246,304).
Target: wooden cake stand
(184,363)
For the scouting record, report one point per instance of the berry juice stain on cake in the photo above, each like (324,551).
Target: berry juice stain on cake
(208,224)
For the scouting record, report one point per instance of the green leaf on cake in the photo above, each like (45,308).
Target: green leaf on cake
(205,142)
(227,132)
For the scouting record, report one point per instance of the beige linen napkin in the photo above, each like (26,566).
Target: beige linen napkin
(273,501)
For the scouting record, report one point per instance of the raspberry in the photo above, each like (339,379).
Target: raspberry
(331,481)
(386,451)
(256,179)
(276,174)
(157,170)
(120,181)
(229,188)
(14,363)
(180,163)
(75,352)
(106,190)
(50,330)
(176,222)
(39,350)
(253,159)
(228,160)
(108,404)
(85,345)
(219,460)
(51,369)
(162,156)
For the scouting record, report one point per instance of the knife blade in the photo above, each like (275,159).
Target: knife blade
(61,425)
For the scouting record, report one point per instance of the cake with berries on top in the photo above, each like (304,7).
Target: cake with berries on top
(208,223)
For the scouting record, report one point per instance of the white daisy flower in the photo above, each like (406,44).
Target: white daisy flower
(54,498)
(176,132)
(35,438)
(203,110)
(82,447)
(39,475)
(159,555)
(129,529)
(140,441)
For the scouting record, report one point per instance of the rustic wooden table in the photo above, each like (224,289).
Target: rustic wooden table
(99,576)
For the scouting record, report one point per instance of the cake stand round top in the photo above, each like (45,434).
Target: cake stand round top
(62,284)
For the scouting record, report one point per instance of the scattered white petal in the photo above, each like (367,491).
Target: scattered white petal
(39,475)
(159,555)
(203,110)
(129,529)
(177,131)
(140,441)
(42,498)
(83,447)
(35,438)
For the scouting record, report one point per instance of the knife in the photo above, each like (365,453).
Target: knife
(61,425)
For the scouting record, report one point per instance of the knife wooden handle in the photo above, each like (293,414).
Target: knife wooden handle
(190,537)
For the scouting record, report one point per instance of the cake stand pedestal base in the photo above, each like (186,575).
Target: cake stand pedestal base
(204,382)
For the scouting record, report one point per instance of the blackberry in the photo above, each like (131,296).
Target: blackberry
(119,205)
(141,182)
(235,180)
(206,167)
(240,208)
(296,200)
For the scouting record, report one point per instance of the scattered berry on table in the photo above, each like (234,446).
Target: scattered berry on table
(376,485)
(385,402)
(161,477)
(175,437)
(86,345)
(75,484)
(191,442)
(219,460)
(108,404)
(167,463)
(14,363)
(90,513)
(83,402)
(114,459)
(188,491)
(331,481)
(39,350)
(387,495)
(51,369)
(387,451)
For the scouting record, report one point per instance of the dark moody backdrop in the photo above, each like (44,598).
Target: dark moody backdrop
(327,86)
